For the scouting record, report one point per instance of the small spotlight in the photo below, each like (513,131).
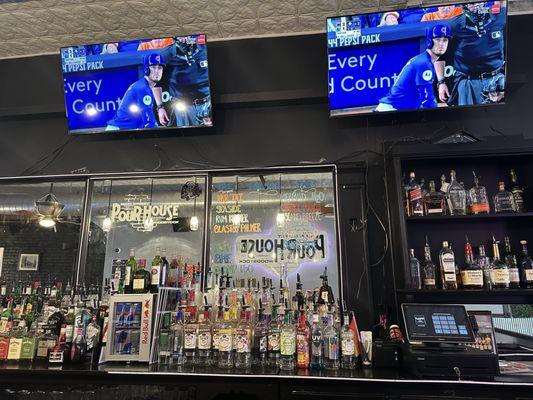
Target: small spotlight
(251,255)
(91,111)
(47,222)
(193,224)
(106,225)
(180,106)
(134,108)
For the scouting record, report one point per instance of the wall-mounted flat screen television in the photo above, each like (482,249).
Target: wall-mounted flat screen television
(137,85)
(415,59)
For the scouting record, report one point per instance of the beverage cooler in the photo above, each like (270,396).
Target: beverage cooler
(129,333)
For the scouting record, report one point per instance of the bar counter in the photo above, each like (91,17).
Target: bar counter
(193,383)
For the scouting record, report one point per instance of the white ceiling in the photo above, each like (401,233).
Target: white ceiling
(43,26)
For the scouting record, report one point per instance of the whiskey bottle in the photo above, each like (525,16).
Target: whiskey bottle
(434,202)
(428,269)
(500,270)
(325,294)
(471,273)
(444,186)
(503,200)
(447,267)
(456,196)
(287,342)
(141,279)
(510,260)
(155,271)
(518,192)
(131,267)
(479,201)
(526,267)
(302,342)
(415,196)
(483,262)
(414,271)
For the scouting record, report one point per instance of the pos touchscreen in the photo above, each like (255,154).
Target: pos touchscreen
(447,323)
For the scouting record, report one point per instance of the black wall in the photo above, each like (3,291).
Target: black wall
(270,109)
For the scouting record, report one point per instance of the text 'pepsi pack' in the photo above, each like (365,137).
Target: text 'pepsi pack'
(419,58)
(137,85)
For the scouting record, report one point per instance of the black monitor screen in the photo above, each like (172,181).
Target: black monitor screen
(437,323)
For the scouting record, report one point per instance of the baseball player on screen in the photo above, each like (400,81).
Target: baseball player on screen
(136,109)
(477,49)
(414,87)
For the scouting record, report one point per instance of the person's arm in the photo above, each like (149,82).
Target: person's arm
(426,96)
(444,92)
(161,112)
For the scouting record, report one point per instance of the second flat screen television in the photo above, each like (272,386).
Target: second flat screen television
(137,85)
(421,58)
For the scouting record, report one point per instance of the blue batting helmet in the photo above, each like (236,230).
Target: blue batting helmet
(153,59)
(436,32)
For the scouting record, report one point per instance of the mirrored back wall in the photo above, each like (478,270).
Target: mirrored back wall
(238,223)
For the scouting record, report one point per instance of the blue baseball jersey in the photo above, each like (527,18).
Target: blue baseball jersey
(189,75)
(414,87)
(476,50)
(135,111)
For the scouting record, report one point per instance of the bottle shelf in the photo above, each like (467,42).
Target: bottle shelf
(428,218)
(467,296)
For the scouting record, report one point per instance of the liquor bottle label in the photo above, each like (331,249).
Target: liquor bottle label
(448,263)
(92,335)
(204,340)
(518,195)
(15,347)
(288,344)
(428,282)
(332,349)
(69,333)
(263,344)
(43,346)
(435,210)
(415,194)
(4,348)
(529,275)
(273,341)
(191,336)
(324,296)
(302,349)
(450,277)
(138,284)
(242,341)
(27,351)
(500,276)
(56,357)
(216,339)
(472,277)
(480,208)
(348,346)
(514,275)
(316,344)
(156,269)
(3,325)
(127,278)
(225,341)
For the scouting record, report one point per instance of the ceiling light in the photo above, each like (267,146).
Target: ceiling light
(47,222)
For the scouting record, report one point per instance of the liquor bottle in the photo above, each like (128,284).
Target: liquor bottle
(298,298)
(348,358)
(274,331)
(414,271)
(317,344)
(434,202)
(471,273)
(302,342)
(225,342)
(428,270)
(518,192)
(243,340)
(141,279)
(510,260)
(526,267)
(423,188)
(178,340)
(287,341)
(29,345)
(331,345)
(456,196)
(479,201)
(500,270)
(406,206)
(165,267)
(503,200)
(165,341)
(260,347)
(191,337)
(483,262)
(325,293)
(60,353)
(447,268)
(216,334)
(444,186)
(78,349)
(205,338)
(45,343)
(131,267)
(415,196)
(155,271)
(172,279)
